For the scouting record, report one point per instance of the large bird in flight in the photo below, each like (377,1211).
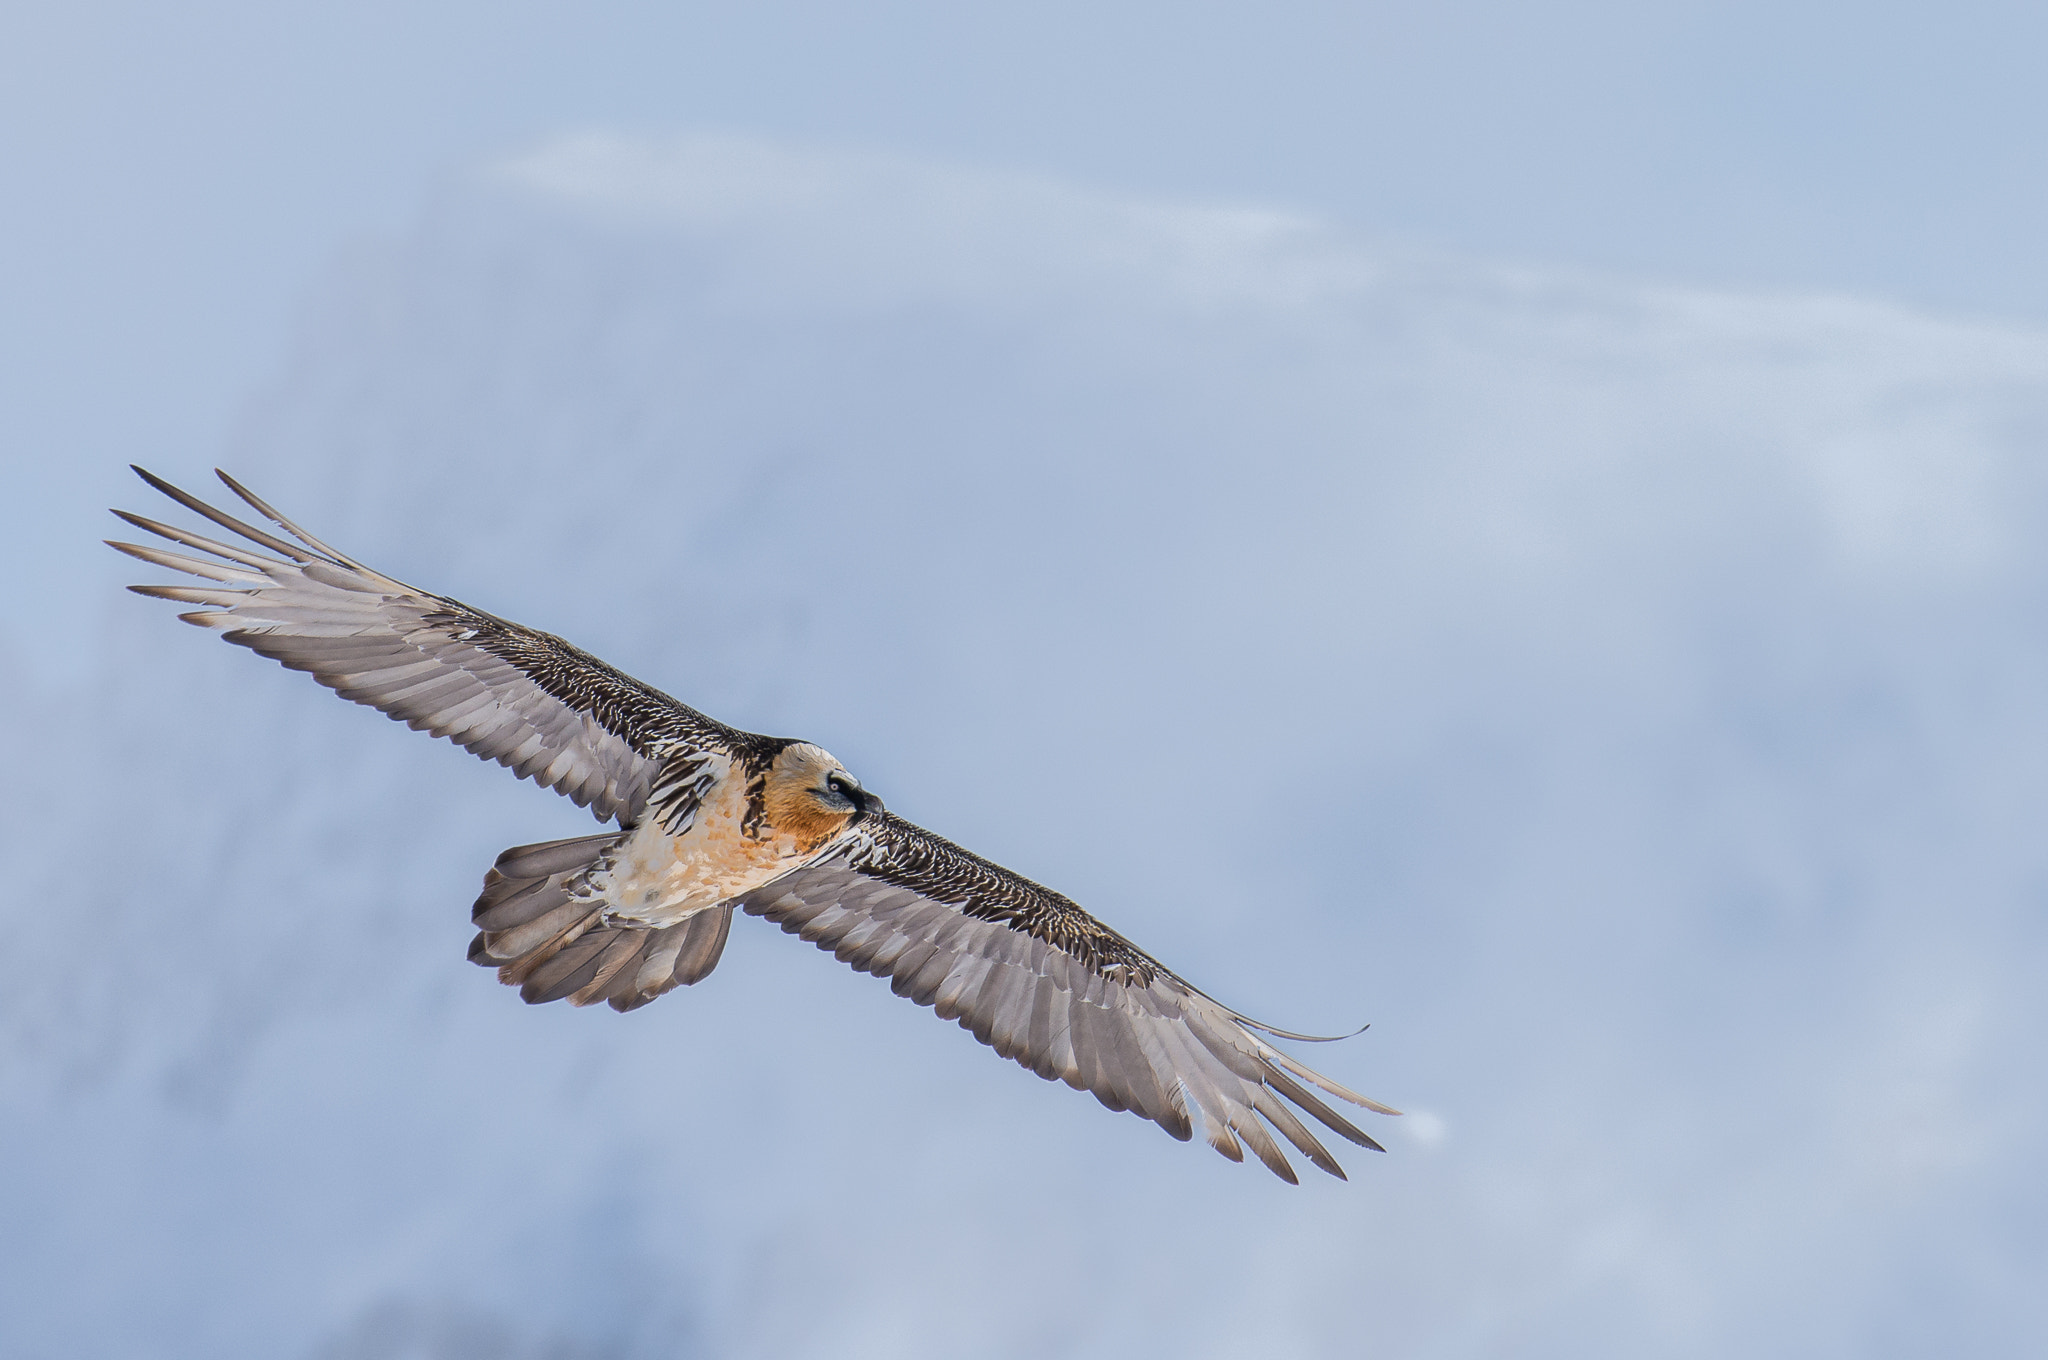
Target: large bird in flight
(711,819)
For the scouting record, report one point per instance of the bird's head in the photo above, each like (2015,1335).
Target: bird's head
(810,795)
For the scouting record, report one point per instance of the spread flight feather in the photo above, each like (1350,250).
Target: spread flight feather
(712,819)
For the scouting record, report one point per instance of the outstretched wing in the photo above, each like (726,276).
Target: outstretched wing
(528,700)
(1041,981)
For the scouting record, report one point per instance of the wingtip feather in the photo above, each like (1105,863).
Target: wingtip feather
(223,519)
(264,508)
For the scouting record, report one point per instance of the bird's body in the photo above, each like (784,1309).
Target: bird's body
(658,877)
(742,829)
(711,821)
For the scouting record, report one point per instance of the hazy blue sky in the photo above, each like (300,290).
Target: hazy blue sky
(174,175)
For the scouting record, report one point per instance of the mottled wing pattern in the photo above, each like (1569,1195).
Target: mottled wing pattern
(528,700)
(1042,982)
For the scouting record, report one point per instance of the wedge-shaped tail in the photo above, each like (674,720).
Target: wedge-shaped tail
(549,941)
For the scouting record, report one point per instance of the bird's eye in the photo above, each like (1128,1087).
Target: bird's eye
(839,786)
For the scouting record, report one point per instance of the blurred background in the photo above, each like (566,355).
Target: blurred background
(1521,524)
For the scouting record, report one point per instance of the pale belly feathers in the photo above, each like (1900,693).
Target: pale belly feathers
(657,878)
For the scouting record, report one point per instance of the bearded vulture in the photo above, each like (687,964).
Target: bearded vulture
(711,820)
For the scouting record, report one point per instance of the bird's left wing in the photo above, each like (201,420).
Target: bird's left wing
(1038,979)
(526,699)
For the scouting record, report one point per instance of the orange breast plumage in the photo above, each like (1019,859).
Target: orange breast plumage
(658,878)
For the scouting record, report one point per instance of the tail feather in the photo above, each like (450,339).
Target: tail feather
(496,912)
(555,857)
(563,922)
(572,966)
(551,944)
(703,940)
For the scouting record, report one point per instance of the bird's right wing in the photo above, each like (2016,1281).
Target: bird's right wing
(1036,978)
(528,700)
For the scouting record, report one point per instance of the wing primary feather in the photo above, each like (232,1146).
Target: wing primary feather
(1292,1129)
(222,518)
(1265,1149)
(1235,1059)
(1192,1065)
(1123,1055)
(1315,1078)
(192,540)
(1324,1115)
(1151,1039)
(220,599)
(263,508)
(196,566)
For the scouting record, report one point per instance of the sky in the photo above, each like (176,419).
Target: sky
(1580,614)
(176,176)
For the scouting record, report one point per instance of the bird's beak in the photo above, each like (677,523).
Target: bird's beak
(870,806)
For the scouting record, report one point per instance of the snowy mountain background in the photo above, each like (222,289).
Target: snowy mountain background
(1632,700)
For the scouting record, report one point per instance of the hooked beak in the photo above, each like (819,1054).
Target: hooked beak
(847,787)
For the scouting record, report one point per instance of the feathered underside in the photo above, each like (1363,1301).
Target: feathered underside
(1024,969)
